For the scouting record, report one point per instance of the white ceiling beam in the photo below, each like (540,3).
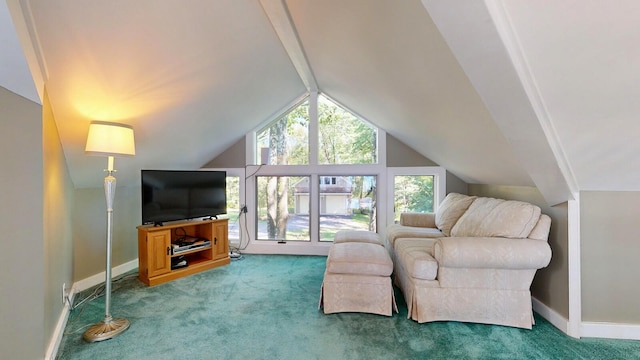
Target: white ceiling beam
(280,18)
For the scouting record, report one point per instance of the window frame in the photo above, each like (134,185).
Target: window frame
(314,246)
(313,170)
(439,184)
(255,228)
(378,202)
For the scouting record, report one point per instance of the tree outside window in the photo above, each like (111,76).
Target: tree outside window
(343,137)
(280,216)
(413,193)
(287,138)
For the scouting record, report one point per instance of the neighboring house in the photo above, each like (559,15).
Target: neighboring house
(335,196)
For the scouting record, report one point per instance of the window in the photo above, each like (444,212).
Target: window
(415,189)
(282,214)
(412,193)
(343,137)
(347,203)
(320,168)
(233,205)
(328,180)
(286,140)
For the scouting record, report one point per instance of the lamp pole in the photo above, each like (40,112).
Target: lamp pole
(109,327)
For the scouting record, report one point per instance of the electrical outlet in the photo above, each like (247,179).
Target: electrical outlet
(64,293)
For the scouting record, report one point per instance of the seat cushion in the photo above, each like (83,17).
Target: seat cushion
(359,258)
(397,231)
(363,236)
(416,257)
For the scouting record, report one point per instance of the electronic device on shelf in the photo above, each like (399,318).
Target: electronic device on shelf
(171,195)
(188,240)
(179,262)
(180,247)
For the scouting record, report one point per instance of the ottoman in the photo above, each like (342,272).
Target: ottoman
(358,279)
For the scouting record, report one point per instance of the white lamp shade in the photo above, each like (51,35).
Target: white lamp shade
(110,139)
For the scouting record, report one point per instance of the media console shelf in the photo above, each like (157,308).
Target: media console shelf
(155,249)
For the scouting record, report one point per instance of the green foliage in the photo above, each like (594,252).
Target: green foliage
(291,130)
(413,194)
(344,138)
(233,194)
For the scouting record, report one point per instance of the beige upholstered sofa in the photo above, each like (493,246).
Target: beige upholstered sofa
(471,261)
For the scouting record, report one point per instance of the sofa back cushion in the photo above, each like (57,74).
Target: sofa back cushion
(541,230)
(496,217)
(450,210)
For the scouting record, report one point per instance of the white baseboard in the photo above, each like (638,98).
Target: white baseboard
(588,329)
(610,330)
(58,332)
(54,344)
(550,315)
(99,278)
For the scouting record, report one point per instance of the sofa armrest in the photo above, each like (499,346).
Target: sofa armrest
(492,253)
(418,219)
(396,231)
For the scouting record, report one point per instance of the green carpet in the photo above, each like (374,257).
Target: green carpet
(265,307)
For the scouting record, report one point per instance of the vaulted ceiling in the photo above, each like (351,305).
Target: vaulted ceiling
(498,92)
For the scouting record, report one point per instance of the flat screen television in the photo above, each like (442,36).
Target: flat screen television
(170,195)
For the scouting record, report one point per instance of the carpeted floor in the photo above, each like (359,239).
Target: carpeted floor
(265,307)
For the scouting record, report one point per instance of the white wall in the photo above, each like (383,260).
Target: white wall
(57,208)
(90,228)
(610,256)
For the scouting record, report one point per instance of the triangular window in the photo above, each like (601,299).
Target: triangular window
(344,138)
(285,141)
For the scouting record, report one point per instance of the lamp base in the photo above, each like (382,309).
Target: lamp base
(105,330)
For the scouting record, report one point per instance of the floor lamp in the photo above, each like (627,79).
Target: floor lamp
(109,139)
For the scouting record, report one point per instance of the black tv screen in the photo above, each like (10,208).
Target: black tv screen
(169,195)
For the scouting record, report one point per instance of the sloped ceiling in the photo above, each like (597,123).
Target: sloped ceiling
(193,77)
(388,62)
(585,59)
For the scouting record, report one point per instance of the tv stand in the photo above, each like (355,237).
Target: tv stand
(155,249)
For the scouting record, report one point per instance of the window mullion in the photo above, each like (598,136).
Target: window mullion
(313,128)
(314,206)
(314,198)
